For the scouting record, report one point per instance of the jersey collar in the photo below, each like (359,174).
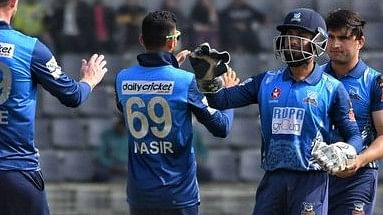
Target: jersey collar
(157,59)
(312,79)
(4,25)
(355,72)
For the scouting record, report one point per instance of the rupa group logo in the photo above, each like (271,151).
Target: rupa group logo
(147,87)
(7,50)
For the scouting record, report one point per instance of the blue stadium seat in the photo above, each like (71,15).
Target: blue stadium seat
(51,106)
(247,111)
(245,133)
(71,64)
(100,103)
(250,165)
(326,6)
(373,33)
(51,164)
(114,65)
(288,5)
(245,65)
(78,165)
(374,59)
(370,10)
(94,128)
(43,133)
(209,140)
(93,201)
(68,133)
(266,36)
(223,164)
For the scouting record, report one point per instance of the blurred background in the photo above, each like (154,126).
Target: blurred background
(82,150)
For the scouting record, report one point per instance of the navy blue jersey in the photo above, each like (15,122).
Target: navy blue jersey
(293,114)
(362,84)
(24,63)
(157,100)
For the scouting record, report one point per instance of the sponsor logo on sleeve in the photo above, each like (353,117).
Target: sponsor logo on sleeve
(7,50)
(54,68)
(147,87)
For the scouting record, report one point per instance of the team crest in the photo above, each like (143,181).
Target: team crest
(296,17)
(358,209)
(276,93)
(354,94)
(312,98)
(308,209)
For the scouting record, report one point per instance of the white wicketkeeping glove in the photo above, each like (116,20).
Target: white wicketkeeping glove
(335,157)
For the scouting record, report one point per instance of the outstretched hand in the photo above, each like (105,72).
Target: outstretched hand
(230,78)
(182,55)
(93,70)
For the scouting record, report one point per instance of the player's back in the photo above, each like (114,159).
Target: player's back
(17,101)
(154,101)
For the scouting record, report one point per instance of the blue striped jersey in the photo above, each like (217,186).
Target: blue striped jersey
(24,63)
(157,100)
(362,85)
(294,114)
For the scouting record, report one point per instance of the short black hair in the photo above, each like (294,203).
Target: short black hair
(342,18)
(155,27)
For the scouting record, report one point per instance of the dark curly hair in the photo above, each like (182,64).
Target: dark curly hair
(342,18)
(155,27)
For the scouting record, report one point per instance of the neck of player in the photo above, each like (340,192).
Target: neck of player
(342,68)
(301,72)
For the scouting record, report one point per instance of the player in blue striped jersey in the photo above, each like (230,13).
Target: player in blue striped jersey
(24,63)
(355,194)
(157,100)
(298,105)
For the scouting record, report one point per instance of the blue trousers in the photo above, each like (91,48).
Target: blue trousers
(165,211)
(355,194)
(22,193)
(286,192)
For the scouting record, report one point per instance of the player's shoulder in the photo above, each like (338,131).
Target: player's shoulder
(371,71)
(22,39)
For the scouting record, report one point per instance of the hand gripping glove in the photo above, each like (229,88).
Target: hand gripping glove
(335,157)
(208,65)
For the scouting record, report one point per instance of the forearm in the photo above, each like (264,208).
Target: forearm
(373,152)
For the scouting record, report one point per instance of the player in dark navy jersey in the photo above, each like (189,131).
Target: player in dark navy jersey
(24,63)
(158,99)
(355,194)
(298,105)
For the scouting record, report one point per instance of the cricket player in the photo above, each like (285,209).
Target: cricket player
(24,63)
(298,105)
(157,99)
(355,194)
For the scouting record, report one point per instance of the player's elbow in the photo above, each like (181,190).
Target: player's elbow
(72,102)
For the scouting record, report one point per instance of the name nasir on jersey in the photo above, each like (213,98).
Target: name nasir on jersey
(157,100)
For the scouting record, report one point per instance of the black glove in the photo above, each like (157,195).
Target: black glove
(208,65)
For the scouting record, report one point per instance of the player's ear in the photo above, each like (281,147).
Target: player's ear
(171,45)
(141,41)
(361,42)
